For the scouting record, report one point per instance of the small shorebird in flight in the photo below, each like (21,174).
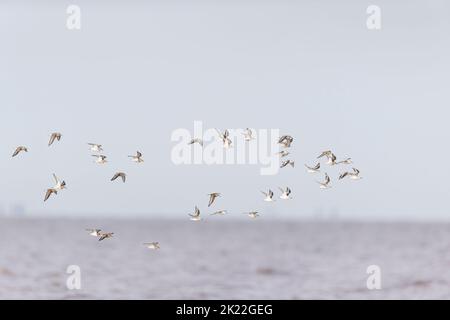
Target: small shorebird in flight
(94,232)
(196,215)
(59,184)
(285,193)
(286,162)
(101,159)
(105,235)
(137,158)
(225,138)
(220,213)
(19,149)
(152,245)
(346,161)
(54,135)
(252,214)
(212,197)
(326,183)
(121,175)
(49,193)
(96,147)
(283,153)
(196,140)
(330,155)
(314,169)
(286,141)
(269,196)
(352,175)
(248,134)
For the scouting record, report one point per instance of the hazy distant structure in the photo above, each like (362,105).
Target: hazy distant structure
(18,210)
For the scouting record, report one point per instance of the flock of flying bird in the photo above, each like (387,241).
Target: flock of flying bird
(285,142)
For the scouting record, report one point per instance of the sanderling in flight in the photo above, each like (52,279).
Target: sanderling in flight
(105,235)
(286,141)
(196,140)
(252,214)
(285,195)
(314,169)
(212,197)
(225,138)
(346,161)
(196,215)
(121,175)
(96,147)
(248,134)
(94,232)
(326,183)
(330,156)
(268,196)
(54,135)
(352,175)
(49,193)
(152,245)
(137,158)
(59,184)
(220,213)
(101,159)
(286,162)
(19,149)
(283,153)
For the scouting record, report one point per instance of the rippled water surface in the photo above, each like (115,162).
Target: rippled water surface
(223,259)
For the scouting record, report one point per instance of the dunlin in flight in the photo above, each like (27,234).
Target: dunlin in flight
(137,158)
(122,175)
(101,159)
(54,136)
(94,232)
(212,197)
(196,140)
(352,175)
(196,215)
(286,141)
(152,245)
(326,183)
(105,235)
(286,162)
(285,195)
(19,149)
(96,147)
(49,193)
(268,196)
(314,169)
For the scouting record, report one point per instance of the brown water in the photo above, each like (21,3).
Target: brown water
(223,259)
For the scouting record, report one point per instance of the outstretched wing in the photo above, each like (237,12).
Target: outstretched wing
(52,139)
(16,152)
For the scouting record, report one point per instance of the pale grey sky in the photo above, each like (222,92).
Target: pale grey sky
(137,70)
